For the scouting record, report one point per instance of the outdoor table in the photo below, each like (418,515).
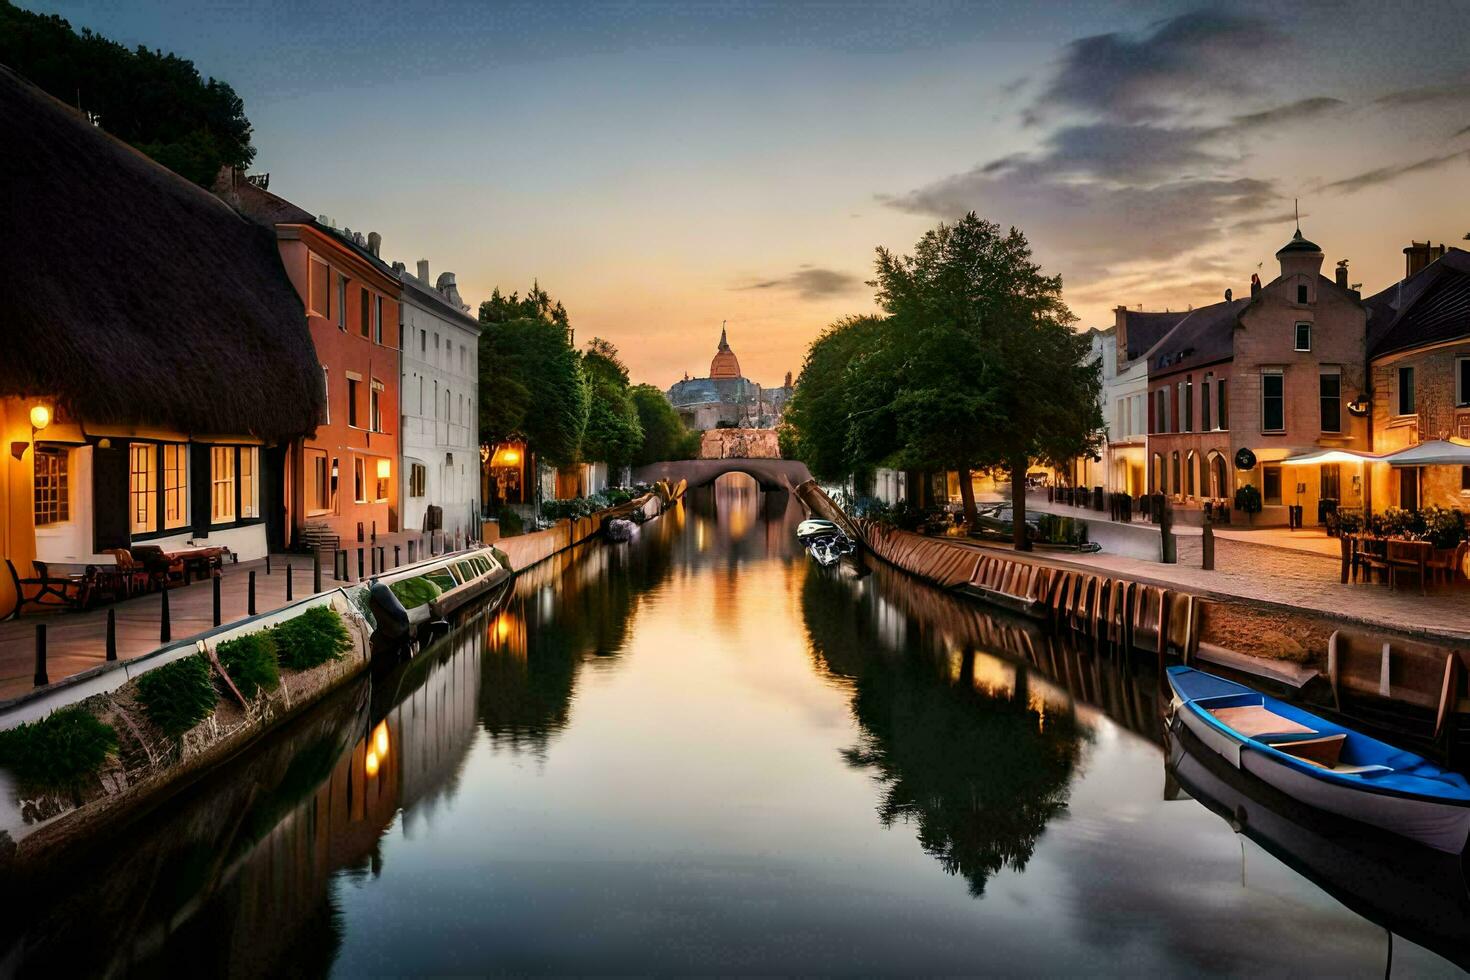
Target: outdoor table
(200,562)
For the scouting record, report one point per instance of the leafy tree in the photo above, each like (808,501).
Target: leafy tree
(818,418)
(664,433)
(531,381)
(157,102)
(614,434)
(537,305)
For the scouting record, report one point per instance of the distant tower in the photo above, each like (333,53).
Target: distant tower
(725,363)
(788,379)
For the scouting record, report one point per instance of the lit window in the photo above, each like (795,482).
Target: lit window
(384,471)
(1303,336)
(222,484)
(53,500)
(249,468)
(175,484)
(143,486)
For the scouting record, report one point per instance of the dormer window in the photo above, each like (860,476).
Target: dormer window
(1303,335)
(1301,292)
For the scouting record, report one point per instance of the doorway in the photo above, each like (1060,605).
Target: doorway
(1409,488)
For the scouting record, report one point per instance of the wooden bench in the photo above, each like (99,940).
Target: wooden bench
(67,590)
(1397,685)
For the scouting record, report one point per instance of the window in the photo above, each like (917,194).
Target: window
(1189,466)
(1303,336)
(1157,474)
(1273,401)
(375,396)
(1223,404)
(448,406)
(1301,292)
(222,484)
(378,319)
(53,499)
(359,480)
(384,470)
(321,291)
(318,482)
(1204,403)
(1217,475)
(1462,381)
(249,466)
(1271,484)
(1406,391)
(1465,480)
(1174,472)
(326,395)
(1186,399)
(423,341)
(175,484)
(143,486)
(364,312)
(1331,481)
(1330,390)
(421,395)
(342,302)
(418,475)
(352,385)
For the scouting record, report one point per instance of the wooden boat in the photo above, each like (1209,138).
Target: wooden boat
(1324,764)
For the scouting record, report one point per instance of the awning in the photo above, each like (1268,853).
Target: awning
(1435,452)
(1330,456)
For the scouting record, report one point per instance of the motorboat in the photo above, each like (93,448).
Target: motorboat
(1323,764)
(824,540)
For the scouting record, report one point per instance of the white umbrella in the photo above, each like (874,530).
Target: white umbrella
(1435,452)
(1328,456)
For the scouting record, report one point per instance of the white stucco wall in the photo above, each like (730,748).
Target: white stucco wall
(439,399)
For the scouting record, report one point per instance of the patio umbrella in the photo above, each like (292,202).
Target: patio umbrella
(1329,456)
(1435,452)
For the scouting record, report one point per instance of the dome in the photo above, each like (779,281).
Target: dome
(725,363)
(1298,244)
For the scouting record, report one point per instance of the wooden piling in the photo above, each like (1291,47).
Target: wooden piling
(316,572)
(251,593)
(216,586)
(165,628)
(41,678)
(112,634)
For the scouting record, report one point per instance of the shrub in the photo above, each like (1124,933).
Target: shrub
(315,637)
(415,591)
(1349,523)
(59,751)
(250,660)
(1248,499)
(510,523)
(1443,527)
(178,696)
(1398,522)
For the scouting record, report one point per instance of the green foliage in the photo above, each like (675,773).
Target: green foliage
(415,591)
(250,660)
(555,510)
(1248,499)
(1348,523)
(59,751)
(665,436)
(315,637)
(613,434)
(510,522)
(179,695)
(531,385)
(155,101)
(1443,527)
(817,423)
(537,305)
(1399,523)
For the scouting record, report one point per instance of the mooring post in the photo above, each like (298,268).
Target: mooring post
(165,628)
(396,562)
(267,562)
(216,581)
(359,564)
(373,560)
(112,634)
(251,593)
(410,551)
(41,679)
(316,572)
(1168,545)
(1207,547)
(288,581)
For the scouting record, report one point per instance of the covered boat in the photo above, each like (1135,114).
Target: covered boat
(1324,764)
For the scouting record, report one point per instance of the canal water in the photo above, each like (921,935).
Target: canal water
(699,752)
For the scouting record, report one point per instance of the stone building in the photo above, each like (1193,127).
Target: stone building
(1419,343)
(1259,390)
(726,398)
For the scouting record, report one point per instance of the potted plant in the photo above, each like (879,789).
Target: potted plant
(1248,499)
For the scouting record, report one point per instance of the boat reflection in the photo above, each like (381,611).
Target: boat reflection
(1412,890)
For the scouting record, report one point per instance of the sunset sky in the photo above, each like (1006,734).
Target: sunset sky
(663,167)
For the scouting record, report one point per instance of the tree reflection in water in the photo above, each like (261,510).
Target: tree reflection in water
(979,765)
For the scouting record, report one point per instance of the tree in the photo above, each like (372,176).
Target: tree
(614,434)
(665,436)
(819,417)
(536,306)
(531,385)
(157,102)
(987,369)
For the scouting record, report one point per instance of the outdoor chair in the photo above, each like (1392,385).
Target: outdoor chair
(1399,686)
(133,573)
(163,569)
(66,590)
(1371,556)
(1409,556)
(1445,564)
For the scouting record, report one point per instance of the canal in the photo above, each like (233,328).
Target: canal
(700,753)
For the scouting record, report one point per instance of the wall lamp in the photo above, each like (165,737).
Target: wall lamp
(1358,406)
(40,418)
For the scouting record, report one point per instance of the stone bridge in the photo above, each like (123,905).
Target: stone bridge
(771,474)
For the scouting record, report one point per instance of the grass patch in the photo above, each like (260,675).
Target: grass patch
(315,637)
(415,591)
(178,696)
(250,660)
(59,751)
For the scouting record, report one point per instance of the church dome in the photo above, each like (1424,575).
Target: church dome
(725,363)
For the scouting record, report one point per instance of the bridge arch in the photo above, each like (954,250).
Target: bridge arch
(771,474)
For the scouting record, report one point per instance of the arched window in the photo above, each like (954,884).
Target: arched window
(1156,478)
(1189,466)
(1217,475)
(1174,475)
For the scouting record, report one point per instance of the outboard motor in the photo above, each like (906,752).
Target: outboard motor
(824,540)
(394,631)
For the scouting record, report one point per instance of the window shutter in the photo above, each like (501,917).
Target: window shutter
(200,488)
(110,526)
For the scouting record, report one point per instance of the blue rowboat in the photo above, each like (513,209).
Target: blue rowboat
(1324,764)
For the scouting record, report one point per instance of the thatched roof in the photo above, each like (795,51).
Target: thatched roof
(135,297)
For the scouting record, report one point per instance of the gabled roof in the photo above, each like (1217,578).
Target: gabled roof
(1203,336)
(1430,307)
(1146,329)
(134,297)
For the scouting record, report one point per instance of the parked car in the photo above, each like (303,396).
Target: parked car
(998,520)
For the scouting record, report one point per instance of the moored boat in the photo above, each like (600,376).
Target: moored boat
(1322,763)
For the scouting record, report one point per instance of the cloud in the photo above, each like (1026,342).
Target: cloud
(1291,112)
(1383,175)
(1203,53)
(1460,133)
(1426,94)
(810,282)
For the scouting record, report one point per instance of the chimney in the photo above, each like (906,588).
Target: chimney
(1340,276)
(375,242)
(447,289)
(1419,255)
(1120,330)
(424,271)
(399,267)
